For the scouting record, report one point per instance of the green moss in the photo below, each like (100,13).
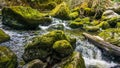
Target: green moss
(74,61)
(7,58)
(104,25)
(47,40)
(113,21)
(61,11)
(23,17)
(118,25)
(46,7)
(3,36)
(63,47)
(95,22)
(111,35)
(91,28)
(74,24)
(74,15)
(35,64)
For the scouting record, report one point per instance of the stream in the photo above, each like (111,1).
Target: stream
(92,55)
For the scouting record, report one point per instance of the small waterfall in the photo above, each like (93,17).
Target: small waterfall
(92,55)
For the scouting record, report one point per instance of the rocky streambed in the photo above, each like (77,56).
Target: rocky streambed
(92,55)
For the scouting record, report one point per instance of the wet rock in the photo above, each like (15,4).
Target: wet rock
(111,35)
(73,61)
(35,53)
(63,47)
(7,58)
(47,40)
(35,64)
(57,27)
(41,46)
(3,36)
(20,17)
(61,11)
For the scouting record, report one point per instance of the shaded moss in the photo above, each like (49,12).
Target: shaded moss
(3,36)
(74,24)
(7,58)
(35,53)
(23,17)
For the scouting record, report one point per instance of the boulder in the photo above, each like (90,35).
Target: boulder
(3,36)
(20,17)
(61,11)
(47,40)
(63,47)
(35,53)
(41,46)
(79,23)
(35,64)
(7,58)
(111,35)
(73,61)
(74,24)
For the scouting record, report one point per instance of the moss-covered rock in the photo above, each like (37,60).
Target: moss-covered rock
(44,6)
(111,35)
(108,14)
(35,64)
(73,61)
(74,24)
(7,58)
(20,17)
(3,36)
(63,47)
(118,25)
(47,40)
(35,53)
(41,46)
(91,28)
(61,11)
(74,15)
(79,23)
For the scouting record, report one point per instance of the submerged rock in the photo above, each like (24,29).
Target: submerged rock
(7,58)
(111,35)
(3,36)
(20,17)
(61,11)
(73,61)
(35,64)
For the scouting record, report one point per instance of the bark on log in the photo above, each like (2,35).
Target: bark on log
(103,44)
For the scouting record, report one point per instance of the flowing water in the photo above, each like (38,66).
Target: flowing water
(92,55)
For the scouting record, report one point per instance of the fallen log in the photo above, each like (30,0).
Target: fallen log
(103,44)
